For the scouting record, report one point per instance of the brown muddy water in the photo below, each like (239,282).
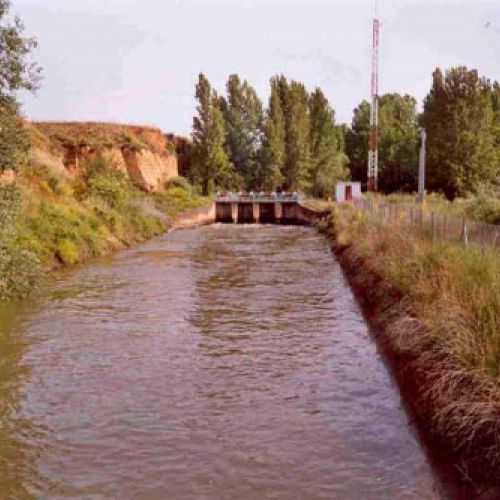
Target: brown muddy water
(224,362)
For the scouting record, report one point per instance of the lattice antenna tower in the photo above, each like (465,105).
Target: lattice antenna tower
(373,137)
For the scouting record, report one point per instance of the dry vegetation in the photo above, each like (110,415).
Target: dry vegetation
(98,135)
(483,206)
(438,306)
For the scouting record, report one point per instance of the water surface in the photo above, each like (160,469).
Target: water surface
(224,362)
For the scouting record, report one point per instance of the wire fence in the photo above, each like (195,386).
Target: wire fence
(435,225)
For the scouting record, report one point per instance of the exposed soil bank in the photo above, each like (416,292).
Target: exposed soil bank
(469,459)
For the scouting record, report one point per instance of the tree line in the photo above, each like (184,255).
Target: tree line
(296,144)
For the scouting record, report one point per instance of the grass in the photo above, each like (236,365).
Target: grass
(177,196)
(445,303)
(318,204)
(51,220)
(484,206)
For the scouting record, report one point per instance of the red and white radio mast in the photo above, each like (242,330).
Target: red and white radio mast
(373,137)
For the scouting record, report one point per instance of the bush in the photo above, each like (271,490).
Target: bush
(179,182)
(101,180)
(14,138)
(66,252)
(19,267)
(485,206)
(110,187)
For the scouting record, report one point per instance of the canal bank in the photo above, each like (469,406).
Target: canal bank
(409,290)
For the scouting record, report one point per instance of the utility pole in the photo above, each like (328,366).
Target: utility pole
(372,184)
(421,167)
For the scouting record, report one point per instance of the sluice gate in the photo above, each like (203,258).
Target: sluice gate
(267,209)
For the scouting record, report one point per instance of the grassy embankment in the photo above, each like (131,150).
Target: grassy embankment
(437,306)
(485,206)
(50,219)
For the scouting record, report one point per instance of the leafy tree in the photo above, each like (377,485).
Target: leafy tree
(243,117)
(17,72)
(210,164)
(272,155)
(356,140)
(14,140)
(326,140)
(398,142)
(297,135)
(461,119)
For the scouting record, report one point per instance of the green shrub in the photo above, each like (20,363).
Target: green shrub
(67,252)
(14,138)
(179,182)
(485,206)
(19,267)
(111,187)
(102,181)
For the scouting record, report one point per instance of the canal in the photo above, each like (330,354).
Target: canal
(223,362)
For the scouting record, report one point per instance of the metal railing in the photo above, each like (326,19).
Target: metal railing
(257,197)
(436,225)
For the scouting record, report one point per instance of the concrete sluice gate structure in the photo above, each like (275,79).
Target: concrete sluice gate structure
(243,211)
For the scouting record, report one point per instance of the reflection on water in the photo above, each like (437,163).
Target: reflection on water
(221,362)
(18,434)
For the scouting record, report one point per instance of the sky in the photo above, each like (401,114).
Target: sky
(137,61)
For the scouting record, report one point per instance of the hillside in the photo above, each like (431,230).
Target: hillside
(85,190)
(143,153)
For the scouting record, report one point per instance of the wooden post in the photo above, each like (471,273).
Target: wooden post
(465,236)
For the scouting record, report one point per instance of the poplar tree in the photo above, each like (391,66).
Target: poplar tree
(211,167)
(272,156)
(327,157)
(243,116)
(462,132)
(297,136)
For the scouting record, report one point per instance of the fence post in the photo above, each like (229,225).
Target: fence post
(421,167)
(432,226)
(465,236)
